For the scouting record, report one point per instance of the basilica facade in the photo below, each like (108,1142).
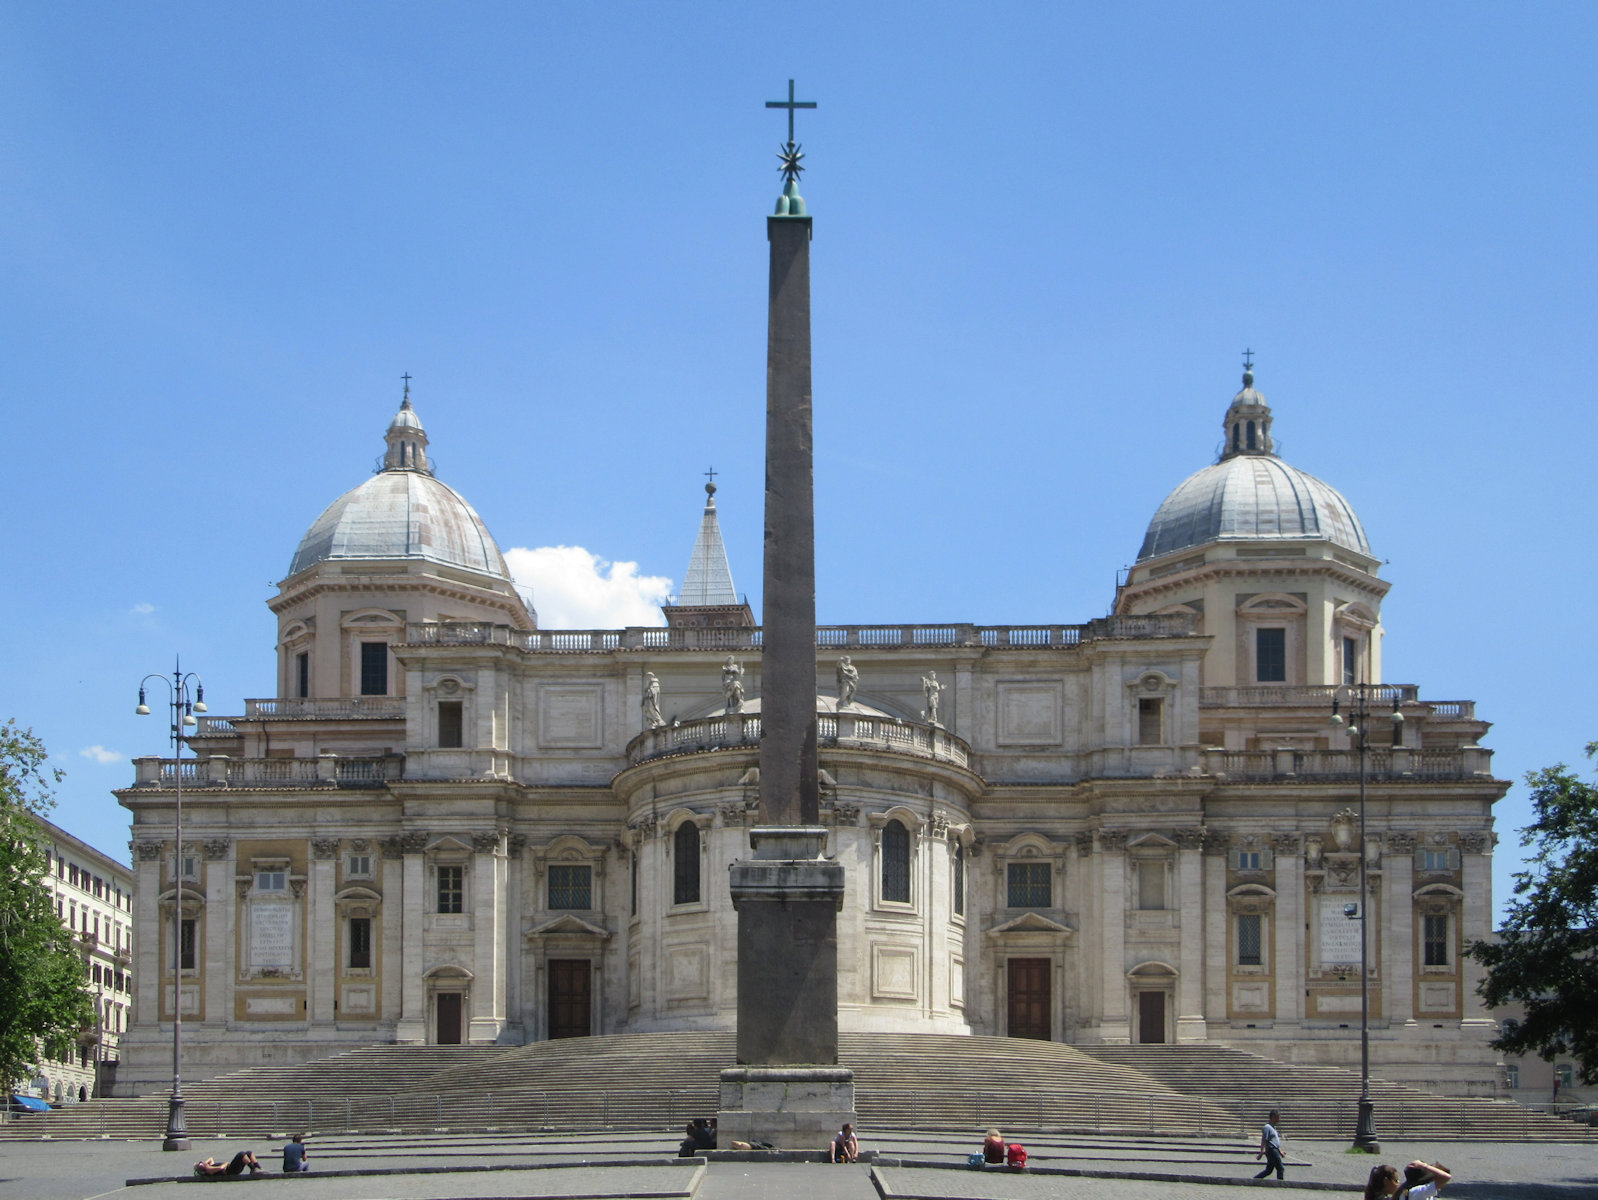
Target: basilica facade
(451,825)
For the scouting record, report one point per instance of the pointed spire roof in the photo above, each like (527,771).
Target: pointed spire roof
(709,579)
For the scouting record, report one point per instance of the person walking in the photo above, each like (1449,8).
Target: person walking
(1271,1147)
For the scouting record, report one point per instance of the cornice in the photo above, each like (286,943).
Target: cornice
(1235,567)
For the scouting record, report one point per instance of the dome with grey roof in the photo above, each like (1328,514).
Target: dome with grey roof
(1251,494)
(402,512)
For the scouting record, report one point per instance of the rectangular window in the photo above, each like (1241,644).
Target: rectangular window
(1151,884)
(272,881)
(1248,860)
(1031,885)
(190,867)
(1270,655)
(1151,721)
(570,887)
(959,879)
(1435,941)
(1434,860)
(302,675)
(361,865)
(360,941)
(1248,939)
(451,889)
(449,724)
(374,668)
(1350,661)
(633,895)
(187,941)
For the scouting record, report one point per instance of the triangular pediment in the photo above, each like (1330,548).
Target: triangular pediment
(567,925)
(1031,923)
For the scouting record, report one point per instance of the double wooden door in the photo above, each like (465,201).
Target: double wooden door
(570,997)
(1031,1001)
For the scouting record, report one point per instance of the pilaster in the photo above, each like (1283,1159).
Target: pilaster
(1398,919)
(1475,861)
(221,918)
(322,975)
(1217,970)
(392,930)
(488,938)
(1114,1024)
(1289,928)
(413,988)
(147,932)
(1190,890)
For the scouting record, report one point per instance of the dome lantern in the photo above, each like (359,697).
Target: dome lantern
(407,440)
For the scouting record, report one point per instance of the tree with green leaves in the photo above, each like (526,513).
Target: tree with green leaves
(1545,957)
(44,983)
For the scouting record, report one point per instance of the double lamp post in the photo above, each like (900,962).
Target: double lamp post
(183,710)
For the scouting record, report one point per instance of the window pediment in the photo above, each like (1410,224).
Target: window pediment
(567,925)
(1031,922)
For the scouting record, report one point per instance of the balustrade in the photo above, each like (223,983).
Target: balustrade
(311,708)
(1398,762)
(220,770)
(730,730)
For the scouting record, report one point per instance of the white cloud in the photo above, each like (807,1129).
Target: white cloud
(101,755)
(574,589)
(142,609)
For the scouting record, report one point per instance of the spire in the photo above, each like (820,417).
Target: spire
(407,440)
(1247,426)
(709,579)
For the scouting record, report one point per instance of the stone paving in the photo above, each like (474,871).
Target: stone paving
(446,1167)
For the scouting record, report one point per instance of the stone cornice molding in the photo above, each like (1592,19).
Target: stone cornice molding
(1213,572)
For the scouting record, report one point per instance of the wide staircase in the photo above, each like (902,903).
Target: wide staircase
(657,1082)
(1322,1102)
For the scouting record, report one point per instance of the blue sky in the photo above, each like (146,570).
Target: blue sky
(1044,233)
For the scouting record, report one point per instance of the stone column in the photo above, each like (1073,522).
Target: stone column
(1190,894)
(413,988)
(149,966)
(1398,922)
(488,938)
(1114,1023)
(321,975)
(221,903)
(1290,939)
(1475,861)
(1217,916)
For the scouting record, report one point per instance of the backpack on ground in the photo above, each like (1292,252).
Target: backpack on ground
(1015,1156)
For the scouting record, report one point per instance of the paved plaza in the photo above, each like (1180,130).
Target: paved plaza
(907,1167)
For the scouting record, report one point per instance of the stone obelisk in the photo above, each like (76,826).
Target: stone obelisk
(789,1090)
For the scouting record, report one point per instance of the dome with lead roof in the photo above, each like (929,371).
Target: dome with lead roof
(1251,495)
(402,512)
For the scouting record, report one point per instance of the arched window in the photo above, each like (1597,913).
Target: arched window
(896,862)
(959,878)
(685,855)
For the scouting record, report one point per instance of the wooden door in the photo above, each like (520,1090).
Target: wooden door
(569,997)
(1151,1018)
(1030,1005)
(448,1005)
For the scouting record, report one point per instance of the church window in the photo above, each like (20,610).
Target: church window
(633,885)
(1030,885)
(1248,939)
(570,887)
(1350,661)
(1270,655)
(361,865)
(1434,936)
(896,862)
(451,889)
(188,929)
(449,724)
(271,881)
(191,867)
(302,674)
(685,864)
(1251,435)
(1248,860)
(374,668)
(959,879)
(360,941)
(1150,721)
(1435,858)
(1151,884)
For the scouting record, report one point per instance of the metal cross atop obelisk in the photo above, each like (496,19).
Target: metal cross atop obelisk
(788,893)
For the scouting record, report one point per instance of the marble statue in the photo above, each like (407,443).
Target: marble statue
(652,717)
(934,692)
(848,681)
(732,683)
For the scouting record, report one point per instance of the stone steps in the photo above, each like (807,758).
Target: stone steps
(903,1081)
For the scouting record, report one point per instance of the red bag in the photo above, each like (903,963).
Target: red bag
(1015,1156)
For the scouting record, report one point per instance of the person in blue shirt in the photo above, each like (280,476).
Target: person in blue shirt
(295,1156)
(1271,1148)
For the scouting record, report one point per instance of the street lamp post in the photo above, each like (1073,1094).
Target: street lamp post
(183,710)
(1359,697)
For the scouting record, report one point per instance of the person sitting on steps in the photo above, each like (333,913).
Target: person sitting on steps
(295,1156)
(845,1146)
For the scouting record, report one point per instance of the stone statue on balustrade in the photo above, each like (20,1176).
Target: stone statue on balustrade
(652,717)
(848,681)
(732,683)
(934,694)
